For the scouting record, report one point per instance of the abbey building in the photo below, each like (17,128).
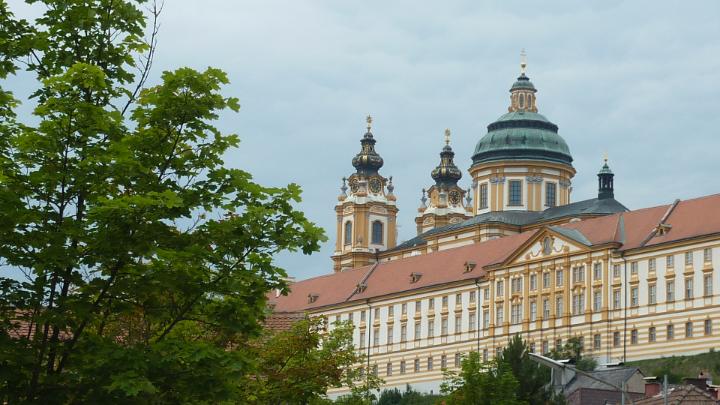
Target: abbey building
(514,254)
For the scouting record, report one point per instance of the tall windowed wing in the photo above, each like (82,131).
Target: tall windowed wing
(550,194)
(348,233)
(515,193)
(483,196)
(377,233)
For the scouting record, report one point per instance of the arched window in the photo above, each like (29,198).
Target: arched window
(377,233)
(348,233)
(522,100)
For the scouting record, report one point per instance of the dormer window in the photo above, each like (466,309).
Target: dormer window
(360,288)
(415,277)
(312,298)
(662,229)
(469,266)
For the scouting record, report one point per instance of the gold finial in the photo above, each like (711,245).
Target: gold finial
(369,122)
(523,61)
(447,136)
(605,157)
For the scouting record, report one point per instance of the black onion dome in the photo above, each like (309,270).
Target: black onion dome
(367,162)
(446,173)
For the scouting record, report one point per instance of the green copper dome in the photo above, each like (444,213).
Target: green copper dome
(522,135)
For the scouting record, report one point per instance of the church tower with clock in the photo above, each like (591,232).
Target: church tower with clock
(443,204)
(366,210)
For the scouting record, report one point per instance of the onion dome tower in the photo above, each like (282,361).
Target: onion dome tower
(366,214)
(445,196)
(522,163)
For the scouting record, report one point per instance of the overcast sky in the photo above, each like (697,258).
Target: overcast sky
(638,80)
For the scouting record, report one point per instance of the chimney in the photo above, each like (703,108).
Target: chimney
(652,388)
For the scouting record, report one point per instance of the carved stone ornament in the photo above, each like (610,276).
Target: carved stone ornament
(429,221)
(534,179)
(378,210)
(496,180)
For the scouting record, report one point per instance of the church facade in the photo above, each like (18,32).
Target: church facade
(513,254)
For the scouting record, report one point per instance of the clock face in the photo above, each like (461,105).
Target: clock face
(375,185)
(354,185)
(454,197)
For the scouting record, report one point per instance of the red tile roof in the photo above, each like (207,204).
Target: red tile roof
(282,321)
(688,219)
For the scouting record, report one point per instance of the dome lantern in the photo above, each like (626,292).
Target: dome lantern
(367,162)
(446,174)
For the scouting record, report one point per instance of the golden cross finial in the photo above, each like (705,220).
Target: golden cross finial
(447,136)
(369,122)
(523,61)
(605,157)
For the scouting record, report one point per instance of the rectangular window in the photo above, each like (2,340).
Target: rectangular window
(487,294)
(708,327)
(388,369)
(578,274)
(688,258)
(559,278)
(634,297)
(362,339)
(498,316)
(431,304)
(546,308)
(458,359)
(707,255)
(670,291)
(652,265)
(417,365)
(688,288)
(390,335)
(670,332)
(362,316)
(458,324)
(634,268)
(616,271)
(430,363)
(418,330)
(597,342)
(633,337)
(375,370)
(350,318)
(445,301)
(558,307)
(707,285)
(391,311)
(483,196)
(652,294)
(616,339)
(533,282)
(376,336)
(443,362)
(486,319)
(597,300)
(578,303)
(651,334)
(616,299)
(403,333)
(472,297)
(597,271)
(545,347)
(402,366)
(515,192)
(431,328)
(550,194)
(418,306)
(377,313)
(404,309)
(499,289)
(688,329)
(485,355)
(558,344)
(533,311)
(458,299)
(444,326)
(670,261)
(515,313)
(546,279)
(472,321)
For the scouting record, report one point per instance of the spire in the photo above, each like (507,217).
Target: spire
(446,173)
(605,181)
(522,92)
(367,162)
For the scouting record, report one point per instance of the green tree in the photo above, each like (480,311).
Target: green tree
(407,397)
(300,364)
(146,259)
(573,351)
(481,383)
(534,378)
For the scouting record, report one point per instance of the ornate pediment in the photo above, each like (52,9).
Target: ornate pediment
(547,244)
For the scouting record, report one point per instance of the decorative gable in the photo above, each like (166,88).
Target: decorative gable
(548,244)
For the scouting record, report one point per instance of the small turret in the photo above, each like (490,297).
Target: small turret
(605,182)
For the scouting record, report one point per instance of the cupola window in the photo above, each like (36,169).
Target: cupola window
(550,194)
(377,233)
(522,100)
(483,196)
(515,193)
(348,233)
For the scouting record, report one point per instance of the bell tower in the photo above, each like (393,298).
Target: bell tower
(366,210)
(444,204)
